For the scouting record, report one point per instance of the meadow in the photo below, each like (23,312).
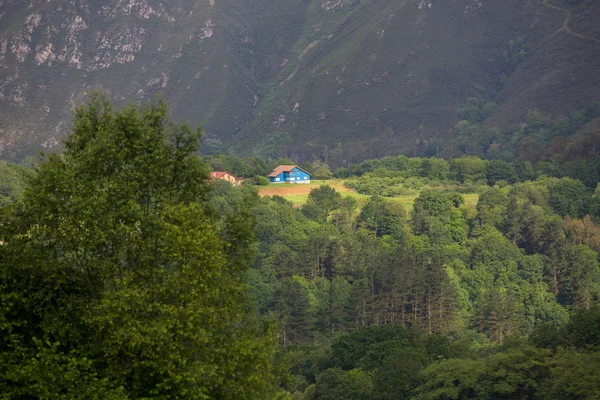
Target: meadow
(298,194)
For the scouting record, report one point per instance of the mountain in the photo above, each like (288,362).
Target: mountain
(339,80)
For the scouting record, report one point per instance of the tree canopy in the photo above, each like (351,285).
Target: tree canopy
(117,280)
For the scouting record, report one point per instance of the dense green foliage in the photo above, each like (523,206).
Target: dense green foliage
(538,138)
(392,176)
(125,275)
(12,177)
(118,280)
(375,302)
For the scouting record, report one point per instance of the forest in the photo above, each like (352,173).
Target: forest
(127,274)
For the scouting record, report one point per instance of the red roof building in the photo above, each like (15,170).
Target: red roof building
(225,176)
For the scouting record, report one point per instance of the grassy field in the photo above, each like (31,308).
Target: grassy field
(298,194)
(300,199)
(284,189)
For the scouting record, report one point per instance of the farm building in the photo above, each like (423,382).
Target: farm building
(289,174)
(226,176)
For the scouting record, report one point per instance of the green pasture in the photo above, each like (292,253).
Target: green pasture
(313,184)
(406,201)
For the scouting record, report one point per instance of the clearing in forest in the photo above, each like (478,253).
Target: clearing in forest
(298,193)
(288,189)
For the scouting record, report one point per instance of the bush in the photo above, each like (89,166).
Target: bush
(259,180)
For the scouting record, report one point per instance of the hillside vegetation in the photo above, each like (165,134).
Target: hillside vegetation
(126,273)
(339,80)
(446,300)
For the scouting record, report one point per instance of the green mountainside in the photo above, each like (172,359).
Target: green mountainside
(339,80)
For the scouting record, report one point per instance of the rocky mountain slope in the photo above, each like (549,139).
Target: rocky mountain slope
(333,79)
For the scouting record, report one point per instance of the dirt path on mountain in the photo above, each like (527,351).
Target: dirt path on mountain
(566,27)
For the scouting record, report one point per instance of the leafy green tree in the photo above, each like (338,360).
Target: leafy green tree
(436,168)
(468,169)
(516,373)
(496,254)
(586,171)
(491,208)
(454,379)
(540,304)
(436,215)
(344,218)
(320,170)
(118,281)
(436,204)
(259,180)
(584,276)
(260,290)
(533,221)
(524,171)
(573,375)
(365,348)
(398,372)
(383,217)
(12,182)
(498,170)
(569,197)
(583,330)
(336,384)
(471,111)
(321,202)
